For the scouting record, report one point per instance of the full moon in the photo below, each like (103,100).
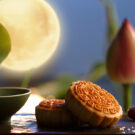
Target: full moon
(34,30)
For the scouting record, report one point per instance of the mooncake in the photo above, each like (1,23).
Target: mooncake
(52,113)
(93,105)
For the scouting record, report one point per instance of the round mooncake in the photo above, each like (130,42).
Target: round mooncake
(93,105)
(52,113)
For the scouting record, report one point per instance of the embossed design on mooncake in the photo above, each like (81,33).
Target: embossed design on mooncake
(52,103)
(96,97)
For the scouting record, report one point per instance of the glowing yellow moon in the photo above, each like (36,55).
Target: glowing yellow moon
(34,29)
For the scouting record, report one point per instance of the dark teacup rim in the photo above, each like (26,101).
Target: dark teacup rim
(27,91)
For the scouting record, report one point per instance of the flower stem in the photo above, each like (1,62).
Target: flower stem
(127,96)
(26,79)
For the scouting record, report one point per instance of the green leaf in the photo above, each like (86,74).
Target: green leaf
(58,87)
(98,71)
(5,43)
(64,82)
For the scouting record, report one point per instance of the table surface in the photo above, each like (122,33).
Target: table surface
(26,123)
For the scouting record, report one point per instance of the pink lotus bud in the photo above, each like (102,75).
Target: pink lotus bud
(120,60)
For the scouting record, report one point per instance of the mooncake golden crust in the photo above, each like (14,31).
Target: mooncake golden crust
(93,105)
(52,113)
(50,104)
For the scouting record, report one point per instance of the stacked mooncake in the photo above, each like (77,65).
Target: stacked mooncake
(85,102)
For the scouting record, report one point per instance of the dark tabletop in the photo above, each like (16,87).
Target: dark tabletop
(26,123)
